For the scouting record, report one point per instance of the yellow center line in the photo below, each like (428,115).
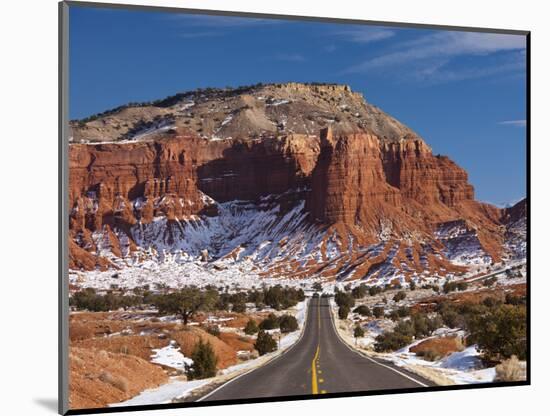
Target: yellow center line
(314,387)
(315,362)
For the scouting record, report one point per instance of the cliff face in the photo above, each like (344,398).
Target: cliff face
(340,203)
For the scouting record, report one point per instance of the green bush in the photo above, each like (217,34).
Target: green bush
(279,297)
(363,310)
(288,323)
(239,307)
(378,311)
(515,300)
(449,286)
(393,315)
(344,299)
(405,328)
(186,302)
(271,322)
(204,362)
(358,332)
(359,292)
(399,296)
(500,332)
(87,299)
(375,290)
(265,343)
(251,327)
(391,341)
(343,311)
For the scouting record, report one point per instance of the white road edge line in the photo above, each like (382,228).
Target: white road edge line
(366,356)
(264,364)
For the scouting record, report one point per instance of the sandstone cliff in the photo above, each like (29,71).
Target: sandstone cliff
(360,197)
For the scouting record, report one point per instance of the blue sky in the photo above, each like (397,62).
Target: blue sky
(463,92)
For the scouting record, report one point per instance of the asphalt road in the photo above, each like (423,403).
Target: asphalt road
(318,363)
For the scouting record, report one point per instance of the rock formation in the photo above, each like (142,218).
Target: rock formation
(197,171)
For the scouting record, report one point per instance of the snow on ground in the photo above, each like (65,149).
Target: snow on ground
(179,389)
(463,367)
(300,314)
(170,356)
(174,389)
(176,275)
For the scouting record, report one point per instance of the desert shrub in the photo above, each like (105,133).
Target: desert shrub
(378,311)
(399,296)
(239,307)
(404,328)
(403,311)
(279,297)
(421,325)
(515,300)
(343,311)
(213,330)
(358,332)
(255,296)
(288,323)
(449,286)
(251,327)
(359,292)
(271,322)
(186,302)
(204,362)
(450,315)
(491,302)
(435,323)
(391,341)
(224,302)
(490,282)
(87,299)
(344,299)
(375,290)
(363,310)
(317,286)
(412,285)
(117,382)
(510,370)
(265,343)
(393,315)
(500,332)
(429,355)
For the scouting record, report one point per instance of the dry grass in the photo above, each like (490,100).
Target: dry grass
(510,370)
(137,345)
(435,348)
(188,337)
(118,382)
(237,342)
(98,378)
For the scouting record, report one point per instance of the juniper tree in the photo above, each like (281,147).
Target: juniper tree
(204,362)
(265,343)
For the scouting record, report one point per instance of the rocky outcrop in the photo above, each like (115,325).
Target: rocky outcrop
(375,200)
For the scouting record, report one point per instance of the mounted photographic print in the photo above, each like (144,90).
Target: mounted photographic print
(267,208)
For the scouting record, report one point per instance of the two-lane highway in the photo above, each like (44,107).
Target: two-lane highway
(319,363)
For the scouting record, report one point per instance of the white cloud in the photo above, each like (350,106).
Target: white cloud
(515,123)
(290,57)
(441,46)
(365,34)
(222,21)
